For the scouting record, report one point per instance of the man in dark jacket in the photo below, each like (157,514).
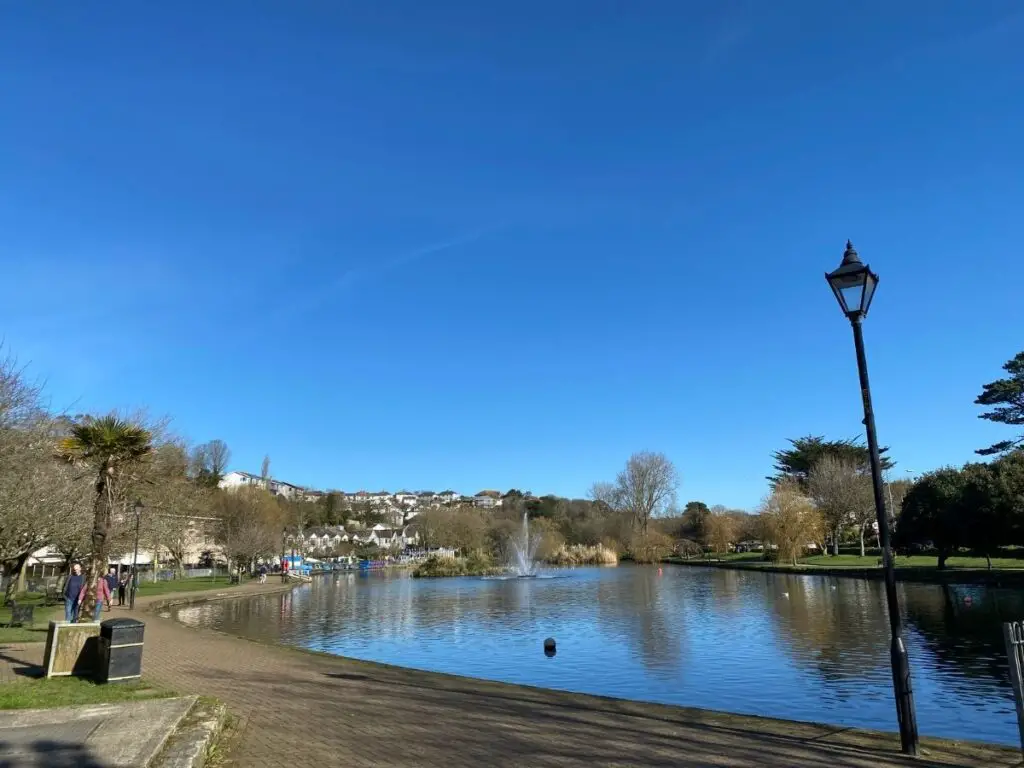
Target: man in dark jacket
(72,593)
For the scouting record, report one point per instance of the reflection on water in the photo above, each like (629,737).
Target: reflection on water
(800,647)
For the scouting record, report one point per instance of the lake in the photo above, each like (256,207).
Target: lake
(810,648)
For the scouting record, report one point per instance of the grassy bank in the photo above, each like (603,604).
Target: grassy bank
(912,568)
(474,564)
(71,691)
(41,618)
(482,564)
(151,588)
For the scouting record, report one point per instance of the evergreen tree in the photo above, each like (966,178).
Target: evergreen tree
(1006,398)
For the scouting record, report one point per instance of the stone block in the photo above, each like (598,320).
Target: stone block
(71,649)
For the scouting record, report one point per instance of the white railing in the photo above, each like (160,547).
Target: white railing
(1013,636)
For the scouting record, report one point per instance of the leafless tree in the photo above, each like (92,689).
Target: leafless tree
(39,499)
(265,473)
(208,462)
(646,488)
(219,457)
(842,492)
(250,525)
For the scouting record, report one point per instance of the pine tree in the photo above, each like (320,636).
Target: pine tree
(1006,398)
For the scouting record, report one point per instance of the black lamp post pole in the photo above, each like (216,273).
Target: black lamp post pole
(897,649)
(135,559)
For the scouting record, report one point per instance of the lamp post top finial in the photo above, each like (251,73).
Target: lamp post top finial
(850,255)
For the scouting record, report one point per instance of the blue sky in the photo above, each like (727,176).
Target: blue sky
(482,245)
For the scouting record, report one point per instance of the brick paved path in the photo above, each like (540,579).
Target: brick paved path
(304,709)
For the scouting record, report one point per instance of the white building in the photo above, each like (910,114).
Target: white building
(406,499)
(487,499)
(235,479)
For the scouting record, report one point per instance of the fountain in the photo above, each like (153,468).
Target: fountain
(523,551)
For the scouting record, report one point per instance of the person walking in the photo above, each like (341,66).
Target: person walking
(263,574)
(102,596)
(111,586)
(72,590)
(122,588)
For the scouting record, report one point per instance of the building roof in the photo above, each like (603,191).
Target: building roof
(243,474)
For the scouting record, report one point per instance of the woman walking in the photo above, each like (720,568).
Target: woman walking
(122,587)
(102,596)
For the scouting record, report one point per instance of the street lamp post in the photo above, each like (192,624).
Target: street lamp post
(284,554)
(135,557)
(854,286)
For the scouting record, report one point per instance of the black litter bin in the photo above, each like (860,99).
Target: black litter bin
(120,650)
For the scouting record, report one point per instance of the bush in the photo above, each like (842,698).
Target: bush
(652,547)
(477,563)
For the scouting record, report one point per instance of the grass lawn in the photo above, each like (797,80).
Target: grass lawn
(41,617)
(149,588)
(70,691)
(871,561)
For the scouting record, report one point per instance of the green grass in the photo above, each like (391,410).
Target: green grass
(41,617)
(150,588)
(734,557)
(911,561)
(71,691)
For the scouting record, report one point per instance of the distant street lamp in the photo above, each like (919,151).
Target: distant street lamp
(854,285)
(135,558)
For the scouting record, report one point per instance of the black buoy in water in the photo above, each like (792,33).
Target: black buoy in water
(549,647)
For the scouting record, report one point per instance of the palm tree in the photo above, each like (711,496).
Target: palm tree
(110,446)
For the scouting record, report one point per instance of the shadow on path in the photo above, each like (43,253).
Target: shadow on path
(47,754)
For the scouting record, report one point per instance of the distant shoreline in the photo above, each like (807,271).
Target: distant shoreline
(997,577)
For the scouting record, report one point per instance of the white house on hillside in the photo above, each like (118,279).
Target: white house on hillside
(487,499)
(235,479)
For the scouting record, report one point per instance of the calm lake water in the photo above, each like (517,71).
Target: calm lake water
(798,647)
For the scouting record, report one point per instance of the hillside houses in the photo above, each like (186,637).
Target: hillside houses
(332,540)
(406,500)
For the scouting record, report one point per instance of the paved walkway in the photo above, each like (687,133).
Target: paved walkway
(95,736)
(299,708)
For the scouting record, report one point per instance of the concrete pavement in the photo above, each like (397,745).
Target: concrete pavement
(124,735)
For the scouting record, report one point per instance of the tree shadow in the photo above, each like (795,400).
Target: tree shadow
(22,668)
(346,676)
(45,753)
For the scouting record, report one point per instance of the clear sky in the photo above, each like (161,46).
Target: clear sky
(492,244)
